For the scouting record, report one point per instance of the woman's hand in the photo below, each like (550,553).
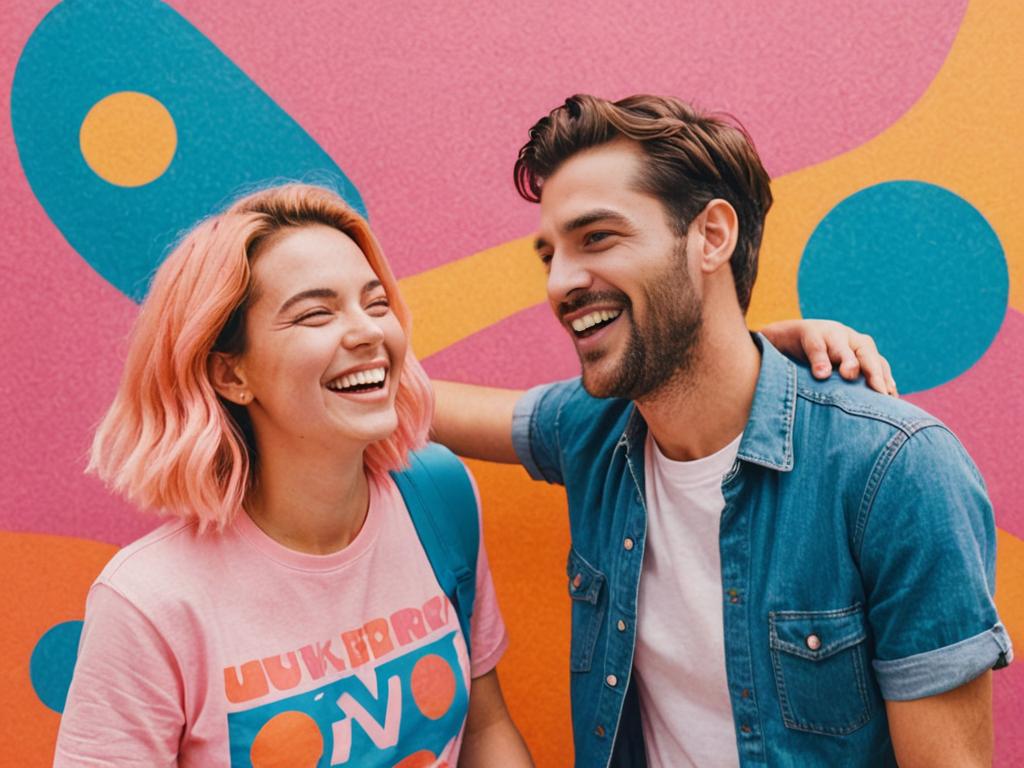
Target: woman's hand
(824,342)
(491,738)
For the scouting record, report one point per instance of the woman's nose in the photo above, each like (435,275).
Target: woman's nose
(362,331)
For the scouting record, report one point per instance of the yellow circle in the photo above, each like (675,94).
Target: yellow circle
(128,139)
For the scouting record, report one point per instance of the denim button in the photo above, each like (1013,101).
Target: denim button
(612,680)
(628,544)
(576,581)
(620,625)
(745,693)
(599,731)
(813,642)
(745,728)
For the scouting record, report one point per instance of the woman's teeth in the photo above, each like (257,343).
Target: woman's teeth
(581,324)
(359,381)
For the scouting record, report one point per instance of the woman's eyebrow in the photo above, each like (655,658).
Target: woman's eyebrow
(312,293)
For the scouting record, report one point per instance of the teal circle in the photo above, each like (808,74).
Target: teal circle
(53,663)
(918,268)
(232,137)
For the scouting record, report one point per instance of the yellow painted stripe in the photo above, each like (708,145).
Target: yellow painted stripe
(453,301)
(963,134)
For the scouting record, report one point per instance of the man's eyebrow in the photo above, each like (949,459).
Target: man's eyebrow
(592,217)
(371,286)
(585,220)
(312,293)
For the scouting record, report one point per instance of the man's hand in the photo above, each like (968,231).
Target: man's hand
(824,342)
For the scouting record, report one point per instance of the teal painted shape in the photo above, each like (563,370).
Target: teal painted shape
(917,267)
(232,137)
(52,663)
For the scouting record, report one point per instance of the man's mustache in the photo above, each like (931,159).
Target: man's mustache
(581,300)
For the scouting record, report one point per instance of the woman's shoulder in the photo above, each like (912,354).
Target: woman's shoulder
(165,555)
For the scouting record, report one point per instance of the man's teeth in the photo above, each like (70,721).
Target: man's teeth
(581,324)
(358,379)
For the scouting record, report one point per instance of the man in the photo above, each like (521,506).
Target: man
(766,569)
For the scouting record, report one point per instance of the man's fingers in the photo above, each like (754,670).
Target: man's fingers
(817,354)
(874,367)
(889,380)
(840,351)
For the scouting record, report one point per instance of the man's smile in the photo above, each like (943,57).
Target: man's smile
(592,322)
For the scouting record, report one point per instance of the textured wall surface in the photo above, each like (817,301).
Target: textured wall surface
(891,130)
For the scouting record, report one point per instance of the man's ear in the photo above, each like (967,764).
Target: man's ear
(719,228)
(227,378)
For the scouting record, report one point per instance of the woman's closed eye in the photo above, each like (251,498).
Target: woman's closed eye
(379,306)
(313,316)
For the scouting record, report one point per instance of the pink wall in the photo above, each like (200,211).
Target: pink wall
(423,106)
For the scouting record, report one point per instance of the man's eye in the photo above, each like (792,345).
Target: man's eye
(593,238)
(545,258)
(379,306)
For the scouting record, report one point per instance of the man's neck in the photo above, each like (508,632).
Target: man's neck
(709,406)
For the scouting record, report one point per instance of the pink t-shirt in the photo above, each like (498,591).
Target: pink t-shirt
(229,649)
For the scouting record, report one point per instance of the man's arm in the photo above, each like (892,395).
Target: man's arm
(491,737)
(476,422)
(951,729)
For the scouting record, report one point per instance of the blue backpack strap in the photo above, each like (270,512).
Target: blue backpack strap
(439,495)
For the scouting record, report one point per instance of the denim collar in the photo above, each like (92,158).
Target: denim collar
(768,436)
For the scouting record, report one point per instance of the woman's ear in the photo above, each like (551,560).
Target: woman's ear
(719,228)
(227,378)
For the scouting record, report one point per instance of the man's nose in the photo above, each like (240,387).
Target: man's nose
(566,274)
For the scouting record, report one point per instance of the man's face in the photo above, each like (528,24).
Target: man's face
(618,276)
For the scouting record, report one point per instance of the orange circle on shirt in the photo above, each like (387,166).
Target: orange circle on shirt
(433,686)
(287,740)
(422,759)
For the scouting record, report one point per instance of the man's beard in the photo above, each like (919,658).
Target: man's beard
(659,353)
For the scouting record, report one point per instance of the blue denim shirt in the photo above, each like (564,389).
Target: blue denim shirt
(851,517)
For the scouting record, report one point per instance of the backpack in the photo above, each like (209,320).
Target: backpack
(442,504)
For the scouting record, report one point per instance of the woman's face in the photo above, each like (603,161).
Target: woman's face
(324,350)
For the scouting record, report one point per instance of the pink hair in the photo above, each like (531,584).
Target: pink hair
(168,441)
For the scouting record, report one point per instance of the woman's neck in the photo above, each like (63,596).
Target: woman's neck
(312,504)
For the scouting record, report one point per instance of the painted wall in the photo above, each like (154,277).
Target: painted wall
(892,132)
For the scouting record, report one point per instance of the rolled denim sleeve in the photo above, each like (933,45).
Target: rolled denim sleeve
(928,561)
(535,424)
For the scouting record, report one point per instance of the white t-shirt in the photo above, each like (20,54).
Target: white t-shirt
(680,649)
(229,649)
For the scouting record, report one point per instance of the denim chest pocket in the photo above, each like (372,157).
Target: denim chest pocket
(820,664)
(586,584)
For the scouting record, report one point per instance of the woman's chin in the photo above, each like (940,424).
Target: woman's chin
(371,430)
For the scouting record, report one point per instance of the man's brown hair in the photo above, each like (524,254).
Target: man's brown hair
(690,159)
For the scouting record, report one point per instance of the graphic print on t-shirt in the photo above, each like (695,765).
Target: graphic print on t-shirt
(401,699)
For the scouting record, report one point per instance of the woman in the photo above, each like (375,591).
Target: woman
(287,614)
